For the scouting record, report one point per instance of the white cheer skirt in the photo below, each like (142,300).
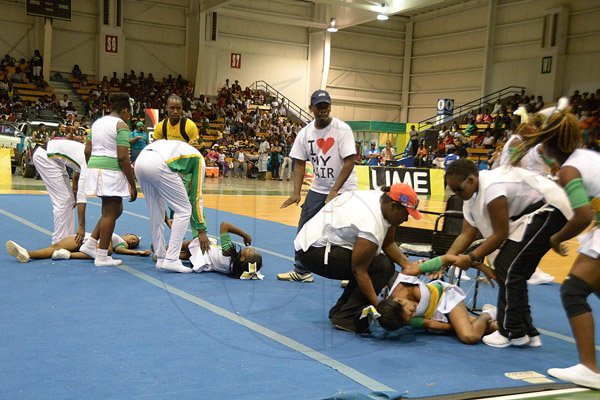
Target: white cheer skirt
(451,297)
(590,243)
(106,183)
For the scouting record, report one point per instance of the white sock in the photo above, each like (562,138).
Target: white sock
(102,254)
(91,242)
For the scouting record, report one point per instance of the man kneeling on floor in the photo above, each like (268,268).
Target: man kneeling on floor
(345,240)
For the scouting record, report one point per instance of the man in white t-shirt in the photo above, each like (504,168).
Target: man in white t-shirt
(328,143)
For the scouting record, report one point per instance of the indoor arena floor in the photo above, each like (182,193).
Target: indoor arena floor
(71,330)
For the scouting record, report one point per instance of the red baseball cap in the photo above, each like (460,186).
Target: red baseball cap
(405,195)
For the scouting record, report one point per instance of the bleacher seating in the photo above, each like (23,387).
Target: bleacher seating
(478,154)
(30,92)
(480,127)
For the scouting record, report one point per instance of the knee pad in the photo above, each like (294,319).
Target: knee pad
(574,293)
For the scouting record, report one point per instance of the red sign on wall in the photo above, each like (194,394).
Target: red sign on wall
(236,60)
(111,44)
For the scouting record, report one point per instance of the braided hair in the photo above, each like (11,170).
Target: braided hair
(560,131)
(237,267)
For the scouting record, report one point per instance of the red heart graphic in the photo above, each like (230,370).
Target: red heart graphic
(325,144)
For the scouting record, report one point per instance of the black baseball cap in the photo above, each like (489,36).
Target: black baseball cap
(320,96)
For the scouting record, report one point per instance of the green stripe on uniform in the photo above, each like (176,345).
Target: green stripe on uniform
(123,137)
(104,162)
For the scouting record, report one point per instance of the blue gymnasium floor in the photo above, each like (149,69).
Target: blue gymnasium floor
(70,330)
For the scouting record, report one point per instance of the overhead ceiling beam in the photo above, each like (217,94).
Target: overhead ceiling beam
(210,5)
(342,3)
(273,18)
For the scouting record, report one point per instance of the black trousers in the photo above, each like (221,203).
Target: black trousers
(347,310)
(515,263)
(312,205)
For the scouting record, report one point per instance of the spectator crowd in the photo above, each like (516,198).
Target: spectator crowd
(238,126)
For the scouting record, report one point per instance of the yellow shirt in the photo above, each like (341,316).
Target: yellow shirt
(173,131)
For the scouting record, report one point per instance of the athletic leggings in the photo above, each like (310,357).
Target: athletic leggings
(515,263)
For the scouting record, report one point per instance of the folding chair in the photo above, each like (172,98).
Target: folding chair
(432,243)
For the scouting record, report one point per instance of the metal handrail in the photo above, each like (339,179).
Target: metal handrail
(302,115)
(465,108)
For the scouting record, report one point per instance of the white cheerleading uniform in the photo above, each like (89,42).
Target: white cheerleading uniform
(70,153)
(587,162)
(211,261)
(158,169)
(115,240)
(104,177)
(524,189)
(451,296)
(56,179)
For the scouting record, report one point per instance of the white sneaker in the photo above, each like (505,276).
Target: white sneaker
(294,276)
(175,266)
(159,263)
(491,310)
(522,341)
(61,254)
(535,341)
(89,248)
(497,340)
(578,374)
(107,262)
(540,278)
(17,251)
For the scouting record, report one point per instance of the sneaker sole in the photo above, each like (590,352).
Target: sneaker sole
(15,250)
(558,374)
(341,328)
(111,263)
(540,281)
(521,342)
(498,346)
(534,343)
(310,280)
(189,270)
(290,279)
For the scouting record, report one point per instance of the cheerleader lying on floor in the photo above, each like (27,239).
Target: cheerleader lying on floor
(436,306)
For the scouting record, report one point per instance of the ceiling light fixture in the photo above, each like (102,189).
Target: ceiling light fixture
(382,16)
(332,28)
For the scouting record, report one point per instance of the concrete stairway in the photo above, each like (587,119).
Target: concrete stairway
(62,87)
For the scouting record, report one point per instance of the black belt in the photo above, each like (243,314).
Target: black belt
(529,210)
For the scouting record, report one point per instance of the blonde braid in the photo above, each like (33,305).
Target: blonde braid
(561,128)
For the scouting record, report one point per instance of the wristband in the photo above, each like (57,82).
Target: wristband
(433,265)
(417,322)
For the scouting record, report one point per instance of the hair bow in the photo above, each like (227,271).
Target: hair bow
(369,311)
(252,273)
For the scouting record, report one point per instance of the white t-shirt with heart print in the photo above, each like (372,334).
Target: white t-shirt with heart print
(326,149)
